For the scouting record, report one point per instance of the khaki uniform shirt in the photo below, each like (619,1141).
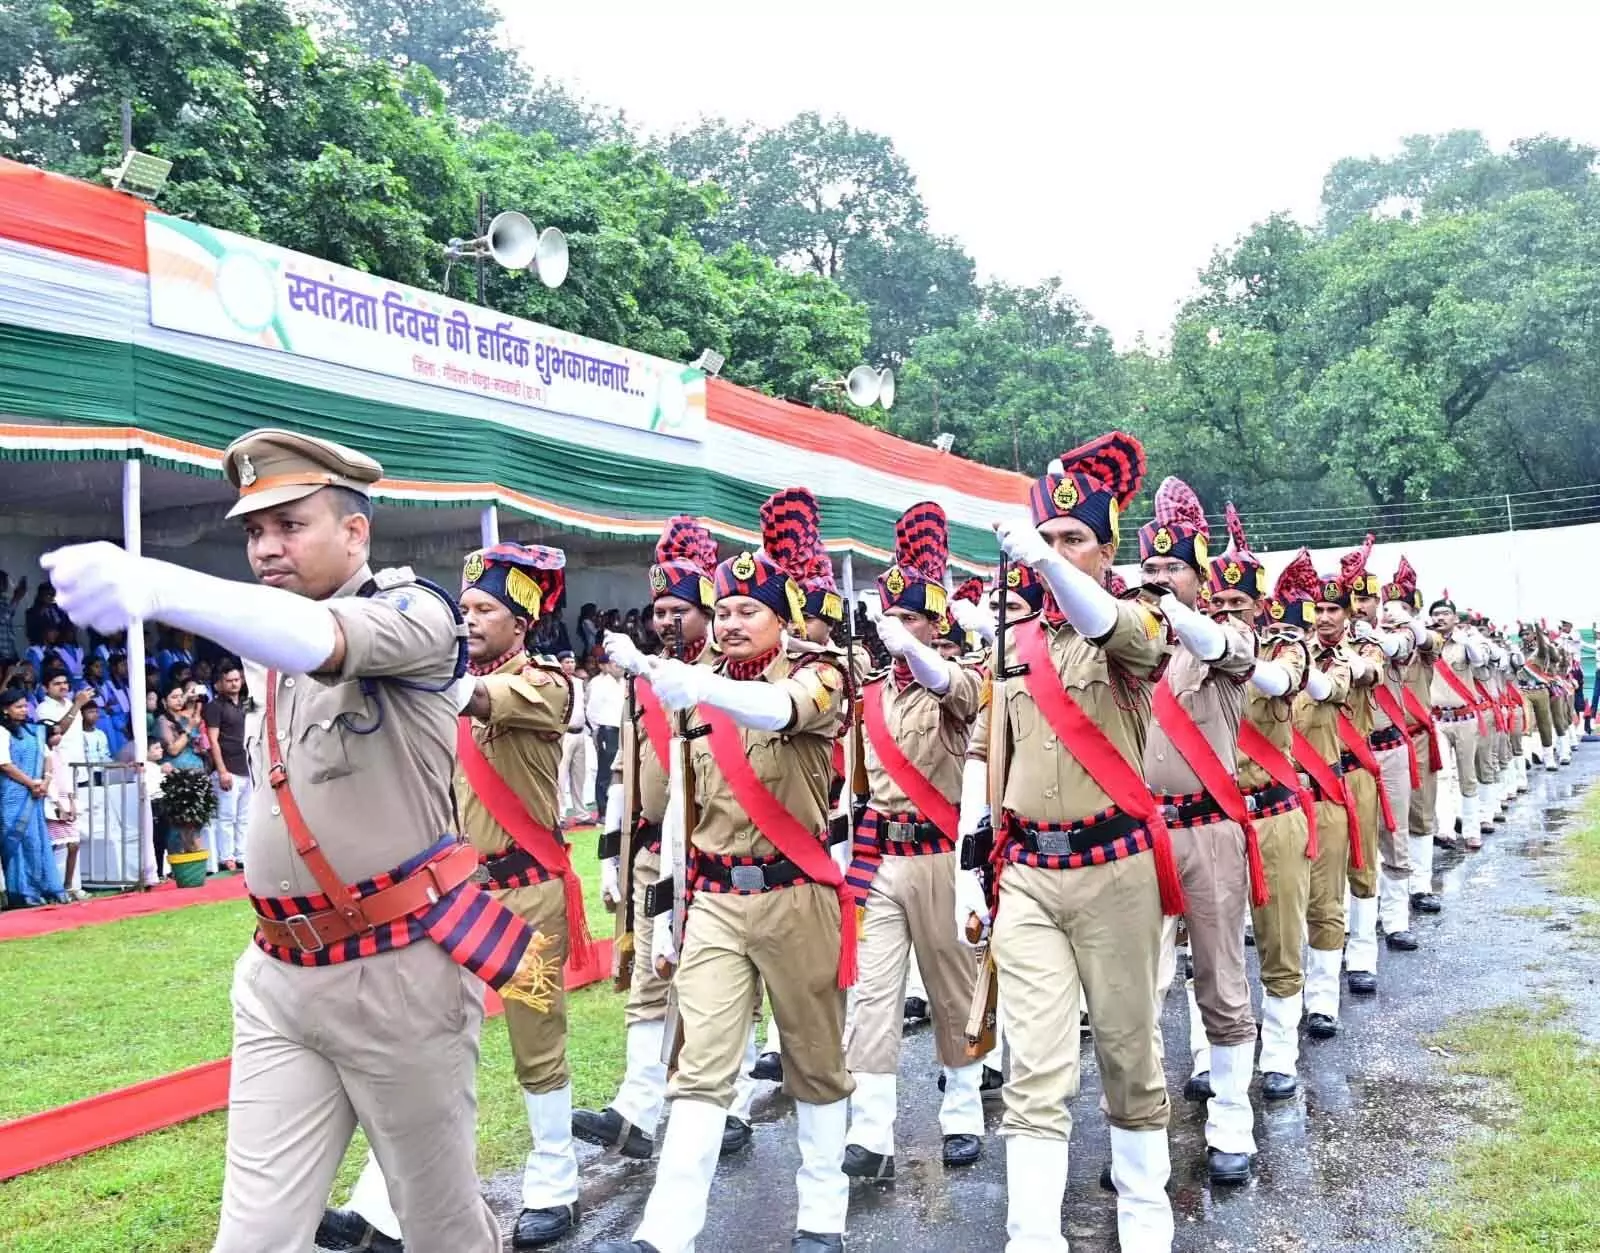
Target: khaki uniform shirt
(371,800)
(1392,676)
(522,740)
(1213,693)
(1273,715)
(932,731)
(1110,681)
(1360,707)
(796,764)
(1419,670)
(652,771)
(1443,695)
(1318,720)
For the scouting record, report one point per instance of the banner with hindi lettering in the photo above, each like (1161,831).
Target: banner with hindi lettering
(227,286)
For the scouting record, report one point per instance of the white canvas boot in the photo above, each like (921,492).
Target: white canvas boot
(1322,990)
(1280,1045)
(1036,1181)
(1230,1121)
(550,1177)
(961,1114)
(869,1152)
(1394,905)
(1141,1164)
(1471,832)
(644,1081)
(744,1092)
(370,1199)
(1199,1086)
(1361,946)
(824,1191)
(676,1211)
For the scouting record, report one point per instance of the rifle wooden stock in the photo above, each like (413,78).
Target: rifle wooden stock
(624,941)
(983,1015)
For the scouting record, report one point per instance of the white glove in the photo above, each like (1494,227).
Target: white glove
(1270,678)
(661,946)
(1089,607)
(103,587)
(974,791)
(927,667)
(759,706)
(1203,637)
(610,882)
(1362,630)
(974,618)
(970,900)
(1020,540)
(676,683)
(462,691)
(623,652)
(894,634)
(1318,684)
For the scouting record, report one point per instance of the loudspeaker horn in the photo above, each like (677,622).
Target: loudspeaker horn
(886,387)
(511,241)
(863,386)
(550,257)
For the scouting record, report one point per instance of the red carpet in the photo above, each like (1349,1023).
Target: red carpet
(112,1117)
(23,924)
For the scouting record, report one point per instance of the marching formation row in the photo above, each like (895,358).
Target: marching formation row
(1050,783)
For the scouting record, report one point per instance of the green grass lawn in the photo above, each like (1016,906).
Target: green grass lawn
(90,1010)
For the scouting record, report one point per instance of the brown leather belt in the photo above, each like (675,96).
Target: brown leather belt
(311,933)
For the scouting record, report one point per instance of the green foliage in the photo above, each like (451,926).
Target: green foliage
(188,803)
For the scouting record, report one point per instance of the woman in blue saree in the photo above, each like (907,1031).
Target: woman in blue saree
(30,865)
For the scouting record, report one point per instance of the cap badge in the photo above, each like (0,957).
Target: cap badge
(1231,574)
(744,566)
(1330,591)
(247,471)
(1162,542)
(1276,610)
(894,582)
(658,580)
(1065,495)
(473,570)
(1014,576)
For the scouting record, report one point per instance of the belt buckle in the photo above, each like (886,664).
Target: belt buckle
(1252,803)
(1170,813)
(900,832)
(748,879)
(480,873)
(293,923)
(1053,843)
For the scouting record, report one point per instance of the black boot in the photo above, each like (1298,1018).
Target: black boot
(1106,1181)
(1361,982)
(1198,1088)
(1401,941)
(1426,903)
(538,1227)
(1321,1027)
(735,1135)
(916,1010)
(768,1066)
(860,1163)
(1228,1168)
(606,1129)
(1276,1086)
(814,1242)
(623,1246)
(962,1150)
(346,1229)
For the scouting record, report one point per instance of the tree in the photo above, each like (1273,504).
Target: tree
(913,283)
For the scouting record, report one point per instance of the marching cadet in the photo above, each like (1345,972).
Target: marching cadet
(1190,762)
(1086,866)
(361,889)
(1280,804)
(1402,610)
(1534,680)
(769,904)
(1363,773)
(1318,752)
(1559,657)
(1492,799)
(917,720)
(1456,713)
(508,749)
(682,605)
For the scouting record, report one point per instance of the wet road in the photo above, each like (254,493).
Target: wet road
(1339,1166)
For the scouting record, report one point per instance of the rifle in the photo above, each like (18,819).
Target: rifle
(977,847)
(680,789)
(855,789)
(619,844)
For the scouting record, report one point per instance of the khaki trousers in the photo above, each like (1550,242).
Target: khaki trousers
(647,993)
(1216,889)
(388,1042)
(1461,741)
(1560,712)
(911,905)
(788,939)
(1364,788)
(1539,699)
(1280,925)
(1329,878)
(1422,819)
(1096,930)
(1486,763)
(539,1040)
(1394,851)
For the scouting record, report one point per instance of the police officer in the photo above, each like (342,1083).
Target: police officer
(1086,866)
(1402,611)
(352,1007)
(509,750)
(1455,711)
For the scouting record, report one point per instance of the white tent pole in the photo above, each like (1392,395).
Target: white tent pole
(489,525)
(133,541)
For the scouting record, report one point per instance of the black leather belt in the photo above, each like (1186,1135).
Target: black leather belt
(1386,738)
(778,873)
(1270,797)
(647,836)
(908,832)
(500,869)
(1076,839)
(1349,763)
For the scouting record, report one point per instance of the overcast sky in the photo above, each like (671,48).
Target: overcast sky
(1116,144)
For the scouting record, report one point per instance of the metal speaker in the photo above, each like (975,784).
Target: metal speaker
(886,387)
(511,241)
(863,385)
(551,257)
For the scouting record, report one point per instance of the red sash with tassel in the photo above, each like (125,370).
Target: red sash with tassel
(533,838)
(1356,745)
(654,718)
(1215,777)
(1391,709)
(1424,715)
(1331,786)
(1492,705)
(804,848)
(1453,681)
(1259,749)
(1099,757)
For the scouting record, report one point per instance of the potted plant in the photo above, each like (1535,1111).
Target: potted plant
(189,804)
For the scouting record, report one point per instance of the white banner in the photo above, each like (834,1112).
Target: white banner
(227,286)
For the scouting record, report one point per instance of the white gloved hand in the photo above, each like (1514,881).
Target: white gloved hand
(462,691)
(610,882)
(970,901)
(894,635)
(624,652)
(102,586)
(661,947)
(1363,630)
(974,618)
(1021,542)
(677,684)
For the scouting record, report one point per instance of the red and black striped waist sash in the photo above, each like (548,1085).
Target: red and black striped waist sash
(1385,738)
(1105,836)
(514,868)
(744,876)
(904,834)
(1269,801)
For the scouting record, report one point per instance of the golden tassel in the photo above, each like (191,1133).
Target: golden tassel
(534,983)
